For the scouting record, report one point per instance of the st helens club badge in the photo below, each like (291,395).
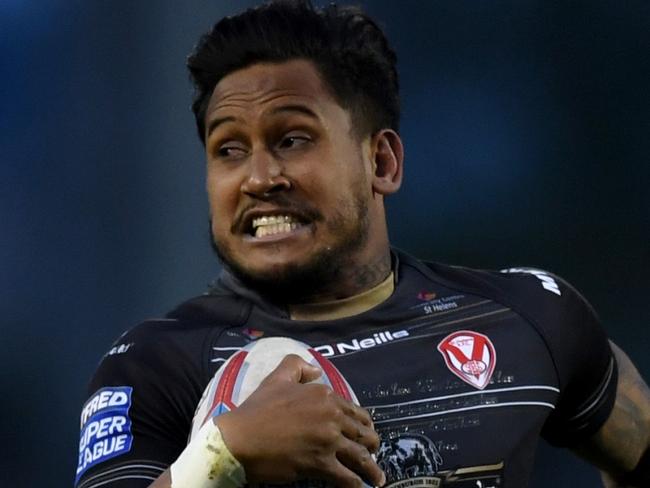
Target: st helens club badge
(470,356)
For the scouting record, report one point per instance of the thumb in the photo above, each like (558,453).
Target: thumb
(294,369)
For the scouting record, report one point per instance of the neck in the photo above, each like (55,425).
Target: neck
(352,280)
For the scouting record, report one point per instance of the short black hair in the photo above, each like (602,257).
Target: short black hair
(348,48)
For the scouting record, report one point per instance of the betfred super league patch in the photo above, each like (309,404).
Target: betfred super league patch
(470,356)
(105,427)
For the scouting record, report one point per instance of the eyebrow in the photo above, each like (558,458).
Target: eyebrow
(217,122)
(301,109)
(295,108)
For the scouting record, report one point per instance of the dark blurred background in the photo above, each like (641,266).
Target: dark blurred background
(527,131)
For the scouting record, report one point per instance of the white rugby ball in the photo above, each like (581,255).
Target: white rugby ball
(242,373)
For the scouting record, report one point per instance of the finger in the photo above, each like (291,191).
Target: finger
(294,369)
(360,433)
(357,458)
(356,412)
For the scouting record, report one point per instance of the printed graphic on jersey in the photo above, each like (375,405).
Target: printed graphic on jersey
(414,461)
(120,349)
(470,356)
(105,427)
(431,304)
(548,282)
(355,345)
(409,460)
(486,476)
(426,296)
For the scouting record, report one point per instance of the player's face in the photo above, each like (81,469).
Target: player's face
(289,182)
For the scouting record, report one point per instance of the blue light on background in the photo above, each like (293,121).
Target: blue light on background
(526,129)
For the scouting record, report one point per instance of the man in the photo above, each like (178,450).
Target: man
(458,371)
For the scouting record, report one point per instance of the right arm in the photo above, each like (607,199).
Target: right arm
(288,430)
(621,447)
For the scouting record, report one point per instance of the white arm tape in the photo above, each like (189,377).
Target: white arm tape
(206,462)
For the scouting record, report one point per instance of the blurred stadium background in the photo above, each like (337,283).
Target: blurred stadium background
(527,132)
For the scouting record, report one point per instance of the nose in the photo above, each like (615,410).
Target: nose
(265,176)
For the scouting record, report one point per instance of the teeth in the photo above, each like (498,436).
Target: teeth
(272,229)
(272,220)
(274,224)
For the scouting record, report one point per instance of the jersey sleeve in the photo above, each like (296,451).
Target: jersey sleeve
(580,350)
(139,409)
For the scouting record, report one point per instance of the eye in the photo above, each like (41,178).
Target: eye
(231,150)
(292,141)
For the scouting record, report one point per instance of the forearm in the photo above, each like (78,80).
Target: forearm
(620,447)
(206,462)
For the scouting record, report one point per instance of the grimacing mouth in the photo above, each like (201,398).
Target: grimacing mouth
(258,223)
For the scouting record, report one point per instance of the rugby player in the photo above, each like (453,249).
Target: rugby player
(459,372)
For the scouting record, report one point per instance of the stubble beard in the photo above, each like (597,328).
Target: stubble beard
(299,282)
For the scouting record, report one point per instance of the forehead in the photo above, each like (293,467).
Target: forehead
(264,83)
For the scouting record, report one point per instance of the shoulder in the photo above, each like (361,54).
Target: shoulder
(192,319)
(168,345)
(144,392)
(560,314)
(569,328)
(572,332)
(150,356)
(545,299)
(155,338)
(564,319)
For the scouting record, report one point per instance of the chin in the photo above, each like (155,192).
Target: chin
(290,281)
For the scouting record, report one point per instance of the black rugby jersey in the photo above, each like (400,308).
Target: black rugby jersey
(462,371)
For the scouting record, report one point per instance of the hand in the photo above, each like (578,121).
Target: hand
(289,430)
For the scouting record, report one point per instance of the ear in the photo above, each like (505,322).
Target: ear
(388,161)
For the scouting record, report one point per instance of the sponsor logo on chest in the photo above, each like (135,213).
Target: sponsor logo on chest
(329,350)
(377,339)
